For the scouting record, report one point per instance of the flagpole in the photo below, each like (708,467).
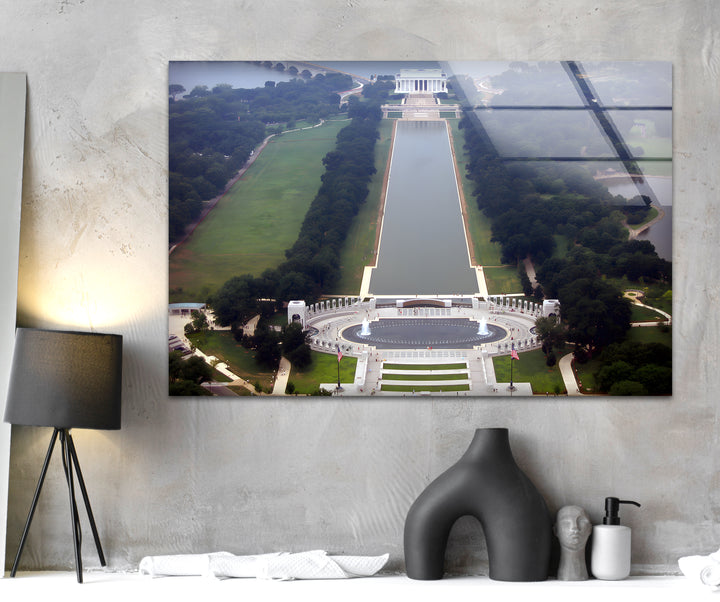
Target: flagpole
(513,355)
(339,357)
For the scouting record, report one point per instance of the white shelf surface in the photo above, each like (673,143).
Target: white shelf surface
(133,587)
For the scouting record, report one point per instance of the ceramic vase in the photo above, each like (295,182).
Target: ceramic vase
(488,484)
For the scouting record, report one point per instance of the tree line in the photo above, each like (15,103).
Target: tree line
(311,264)
(529,205)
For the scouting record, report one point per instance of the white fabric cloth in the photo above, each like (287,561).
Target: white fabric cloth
(178,564)
(703,569)
(315,564)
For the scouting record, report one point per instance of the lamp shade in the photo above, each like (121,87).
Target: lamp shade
(65,379)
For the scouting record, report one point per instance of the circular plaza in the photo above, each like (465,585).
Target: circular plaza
(455,340)
(438,333)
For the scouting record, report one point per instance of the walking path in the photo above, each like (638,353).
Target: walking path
(283,374)
(568,376)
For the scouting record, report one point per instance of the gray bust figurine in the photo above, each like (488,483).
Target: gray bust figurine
(572,528)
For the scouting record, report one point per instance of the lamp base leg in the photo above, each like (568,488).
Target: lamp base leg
(70,465)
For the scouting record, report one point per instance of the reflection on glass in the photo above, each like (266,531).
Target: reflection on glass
(646,133)
(589,179)
(631,83)
(538,133)
(535,84)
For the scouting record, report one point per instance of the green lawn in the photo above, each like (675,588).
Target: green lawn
(502,280)
(324,369)
(645,314)
(656,294)
(562,246)
(586,374)
(430,377)
(651,334)
(240,361)
(258,219)
(429,388)
(530,368)
(486,252)
(359,247)
(456,366)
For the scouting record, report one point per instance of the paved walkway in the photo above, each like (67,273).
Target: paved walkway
(282,376)
(568,375)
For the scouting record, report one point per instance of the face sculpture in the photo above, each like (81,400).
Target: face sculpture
(572,528)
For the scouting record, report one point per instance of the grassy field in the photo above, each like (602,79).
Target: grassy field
(530,368)
(656,295)
(562,246)
(457,366)
(324,369)
(241,361)
(360,242)
(486,252)
(429,388)
(645,314)
(258,219)
(429,377)
(651,334)
(502,280)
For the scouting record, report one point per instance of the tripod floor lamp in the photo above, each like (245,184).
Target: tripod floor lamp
(65,380)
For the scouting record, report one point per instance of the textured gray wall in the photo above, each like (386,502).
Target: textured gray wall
(258,476)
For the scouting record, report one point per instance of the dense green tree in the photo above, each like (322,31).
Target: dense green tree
(236,301)
(176,89)
(647,365)
(612,373)
(295,347)
(186,375)
(265,343)
(551,332)
(627,388)
(595,313)
(186,388)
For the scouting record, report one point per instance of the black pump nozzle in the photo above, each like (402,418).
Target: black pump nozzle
(612,507)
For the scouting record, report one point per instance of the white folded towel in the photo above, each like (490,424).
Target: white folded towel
(703,569)
(315,564)
(177,565)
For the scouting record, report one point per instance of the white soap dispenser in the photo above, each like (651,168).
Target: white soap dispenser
(610,557)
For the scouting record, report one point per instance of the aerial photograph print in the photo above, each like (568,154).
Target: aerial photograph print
(420,229)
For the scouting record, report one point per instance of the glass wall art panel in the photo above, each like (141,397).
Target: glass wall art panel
(420,229)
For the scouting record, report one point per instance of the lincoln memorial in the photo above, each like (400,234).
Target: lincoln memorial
(420,81)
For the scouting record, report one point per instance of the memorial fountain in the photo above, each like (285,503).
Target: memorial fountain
(365,328)
(482,328)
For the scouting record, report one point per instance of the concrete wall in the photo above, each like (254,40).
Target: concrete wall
(258,476)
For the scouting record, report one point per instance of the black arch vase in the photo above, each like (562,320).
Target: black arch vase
(488,484)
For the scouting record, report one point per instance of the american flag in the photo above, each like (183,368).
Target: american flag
(339,353)
(514,354)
